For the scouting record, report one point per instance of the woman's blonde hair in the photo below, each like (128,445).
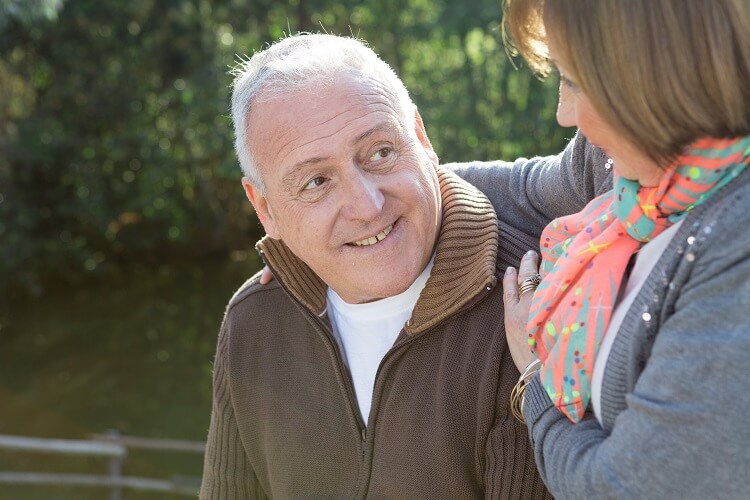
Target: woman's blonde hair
(661,72)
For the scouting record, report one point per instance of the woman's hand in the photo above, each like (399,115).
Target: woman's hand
(517,309)
(266,276)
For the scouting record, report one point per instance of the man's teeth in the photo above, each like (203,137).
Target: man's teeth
(374,239)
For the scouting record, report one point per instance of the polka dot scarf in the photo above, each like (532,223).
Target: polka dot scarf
(584,257)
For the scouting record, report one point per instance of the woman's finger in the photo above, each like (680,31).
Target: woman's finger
(510,287)
(529,266)
(266,276)
(516,315)
(517,308)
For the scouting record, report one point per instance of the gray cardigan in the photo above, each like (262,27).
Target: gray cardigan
(529,193)
(675,393)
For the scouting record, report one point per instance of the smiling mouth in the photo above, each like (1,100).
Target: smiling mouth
(373,239)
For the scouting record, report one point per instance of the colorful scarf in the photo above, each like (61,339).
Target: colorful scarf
(584,257)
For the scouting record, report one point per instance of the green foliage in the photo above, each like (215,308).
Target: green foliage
(115,139)
(28,11)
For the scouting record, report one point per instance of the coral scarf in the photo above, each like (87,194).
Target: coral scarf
(584,257)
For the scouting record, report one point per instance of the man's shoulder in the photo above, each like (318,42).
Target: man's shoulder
(254,312)
(251,292)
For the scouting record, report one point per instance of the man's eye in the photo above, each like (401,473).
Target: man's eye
(316,182)
(381,154)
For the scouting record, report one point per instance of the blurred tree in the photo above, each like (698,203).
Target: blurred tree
(115,139)
(28,11)
(119,144)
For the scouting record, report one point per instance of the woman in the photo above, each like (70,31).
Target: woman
(635,384)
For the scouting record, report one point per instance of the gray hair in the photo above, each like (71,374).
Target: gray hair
(297,63)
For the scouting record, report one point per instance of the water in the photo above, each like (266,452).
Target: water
(133,353)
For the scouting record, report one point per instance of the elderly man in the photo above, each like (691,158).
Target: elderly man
(375,365)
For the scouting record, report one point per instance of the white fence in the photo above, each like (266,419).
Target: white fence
(111,446)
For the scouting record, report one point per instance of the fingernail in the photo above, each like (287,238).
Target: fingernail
(509,270)
(530,253)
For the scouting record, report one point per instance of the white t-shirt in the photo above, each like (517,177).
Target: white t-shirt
(645,261)
(367,331)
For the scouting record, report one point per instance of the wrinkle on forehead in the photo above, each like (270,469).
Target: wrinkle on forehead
(380,100)
(369,96)
(289,180)
(334,132)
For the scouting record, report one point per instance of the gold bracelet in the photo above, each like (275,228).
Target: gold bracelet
(519,390)
(531,369)
(516,397)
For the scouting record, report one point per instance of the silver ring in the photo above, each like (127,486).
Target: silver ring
(529,284)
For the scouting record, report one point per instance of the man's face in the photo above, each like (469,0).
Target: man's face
(349,189)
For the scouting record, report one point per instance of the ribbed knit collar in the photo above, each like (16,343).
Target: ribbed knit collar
(465,259)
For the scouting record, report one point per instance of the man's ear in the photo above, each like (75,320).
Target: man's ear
(260,204)
(422,136)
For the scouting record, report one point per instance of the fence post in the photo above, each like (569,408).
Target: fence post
(115,469)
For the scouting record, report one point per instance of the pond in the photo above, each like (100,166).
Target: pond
(133,354)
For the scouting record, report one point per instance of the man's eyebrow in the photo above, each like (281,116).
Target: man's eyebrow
(290,178)
(386,126)
(305,163)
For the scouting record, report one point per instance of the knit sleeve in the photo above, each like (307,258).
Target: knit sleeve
(528,193)
(227,474)
(510,470)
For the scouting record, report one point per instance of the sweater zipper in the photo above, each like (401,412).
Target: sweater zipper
(345,378)
(409,340)
(333,349)
(396,348)
(335,353)
(343,371)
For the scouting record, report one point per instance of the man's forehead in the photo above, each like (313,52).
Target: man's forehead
(309,127)
(387,126)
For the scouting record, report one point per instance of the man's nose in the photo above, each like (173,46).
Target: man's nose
(363,198)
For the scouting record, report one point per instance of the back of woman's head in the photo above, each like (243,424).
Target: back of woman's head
(661,72)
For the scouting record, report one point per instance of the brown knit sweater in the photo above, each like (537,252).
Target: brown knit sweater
(285,422)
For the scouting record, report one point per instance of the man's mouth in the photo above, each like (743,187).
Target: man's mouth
(373,239)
